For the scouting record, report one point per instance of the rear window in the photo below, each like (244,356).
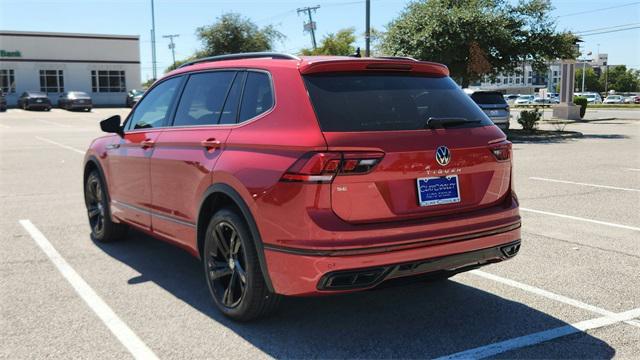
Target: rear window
(488,98)
(384,102)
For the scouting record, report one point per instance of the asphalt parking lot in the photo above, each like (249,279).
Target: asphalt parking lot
(572,292)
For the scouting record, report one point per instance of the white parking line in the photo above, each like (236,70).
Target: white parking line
(548,295)
(542,336)
(632,169)
(581,219)
(127,337)
(584,184)
(60,145)
(3,126)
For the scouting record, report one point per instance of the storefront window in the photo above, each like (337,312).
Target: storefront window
(51,81)
(7,81)
(108,81)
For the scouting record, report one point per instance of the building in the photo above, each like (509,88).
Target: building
(532,81)
(103,66)
(529,83)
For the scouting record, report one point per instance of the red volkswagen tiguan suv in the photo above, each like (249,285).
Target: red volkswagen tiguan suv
(307,176)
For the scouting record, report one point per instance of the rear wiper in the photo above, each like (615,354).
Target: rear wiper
(442,123)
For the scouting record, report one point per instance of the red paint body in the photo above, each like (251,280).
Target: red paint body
(160,188)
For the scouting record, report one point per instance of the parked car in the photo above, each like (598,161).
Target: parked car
(307,176)
(545,101)
(524,100)
(30,100)
(629,99)
(593,98)
(510,98)
(636,99)
(614,99)
(73,100)
(133,96)
(494,106)
(3,102)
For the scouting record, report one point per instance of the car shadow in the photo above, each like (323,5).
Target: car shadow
(406,319)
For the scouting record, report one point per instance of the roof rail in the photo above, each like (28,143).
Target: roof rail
(397,58)
(240,56)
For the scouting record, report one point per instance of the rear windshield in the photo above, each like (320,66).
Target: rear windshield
(488,98)
(383,102)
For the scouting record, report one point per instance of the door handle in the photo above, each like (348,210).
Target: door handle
(147,143)
(210,143)
(113,146)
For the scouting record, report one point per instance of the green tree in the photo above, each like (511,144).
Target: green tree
(477,38)
(591,80)
(233,33)
(620,79)
(340,43)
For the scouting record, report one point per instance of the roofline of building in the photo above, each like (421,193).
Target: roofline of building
(68,35)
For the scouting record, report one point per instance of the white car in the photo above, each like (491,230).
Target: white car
(524,100)
(614,99)
(592,98)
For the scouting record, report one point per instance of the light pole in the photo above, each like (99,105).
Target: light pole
(584,68)
(367,48)
(153,42)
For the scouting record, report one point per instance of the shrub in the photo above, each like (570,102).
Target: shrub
(582,101)
(529,119)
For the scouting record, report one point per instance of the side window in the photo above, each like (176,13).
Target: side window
(203,98)
(152,111)
(257,97)
(230,110)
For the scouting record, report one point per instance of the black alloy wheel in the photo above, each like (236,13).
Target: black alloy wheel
(95,205)
(226,263)
(232,269)
(96,201)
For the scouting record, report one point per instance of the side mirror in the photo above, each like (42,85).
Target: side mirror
(112,125)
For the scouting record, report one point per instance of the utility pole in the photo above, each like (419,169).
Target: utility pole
(310,26)
(153,42)
(172,46)
(584,69)
(367,34)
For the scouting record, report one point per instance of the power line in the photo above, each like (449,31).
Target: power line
(601,9)
(611,31)
(605,28)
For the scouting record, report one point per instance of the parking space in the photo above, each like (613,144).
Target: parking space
(572,292)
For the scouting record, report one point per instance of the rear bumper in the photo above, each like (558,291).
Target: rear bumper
(79,106)
(38,106)
(296,272)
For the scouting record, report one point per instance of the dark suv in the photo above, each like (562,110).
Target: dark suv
(307,176)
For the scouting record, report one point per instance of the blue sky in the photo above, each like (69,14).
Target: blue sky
(182,17)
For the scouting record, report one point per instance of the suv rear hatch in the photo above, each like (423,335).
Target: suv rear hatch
(492,103)
(389,128)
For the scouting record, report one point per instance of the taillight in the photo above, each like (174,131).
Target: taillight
(322,167)
(502,151)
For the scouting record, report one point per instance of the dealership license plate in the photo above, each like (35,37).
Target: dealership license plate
(39,100)
(438,190)
(494,112)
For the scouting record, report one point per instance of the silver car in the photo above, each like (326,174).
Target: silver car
(494,105)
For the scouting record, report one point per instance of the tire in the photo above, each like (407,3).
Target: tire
(95,198)
(229,256)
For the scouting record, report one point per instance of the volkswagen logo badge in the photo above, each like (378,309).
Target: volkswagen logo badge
(443,156)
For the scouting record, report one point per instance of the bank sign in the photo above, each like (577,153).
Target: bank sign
(5,53)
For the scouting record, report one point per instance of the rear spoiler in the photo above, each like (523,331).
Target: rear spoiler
(342,64)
